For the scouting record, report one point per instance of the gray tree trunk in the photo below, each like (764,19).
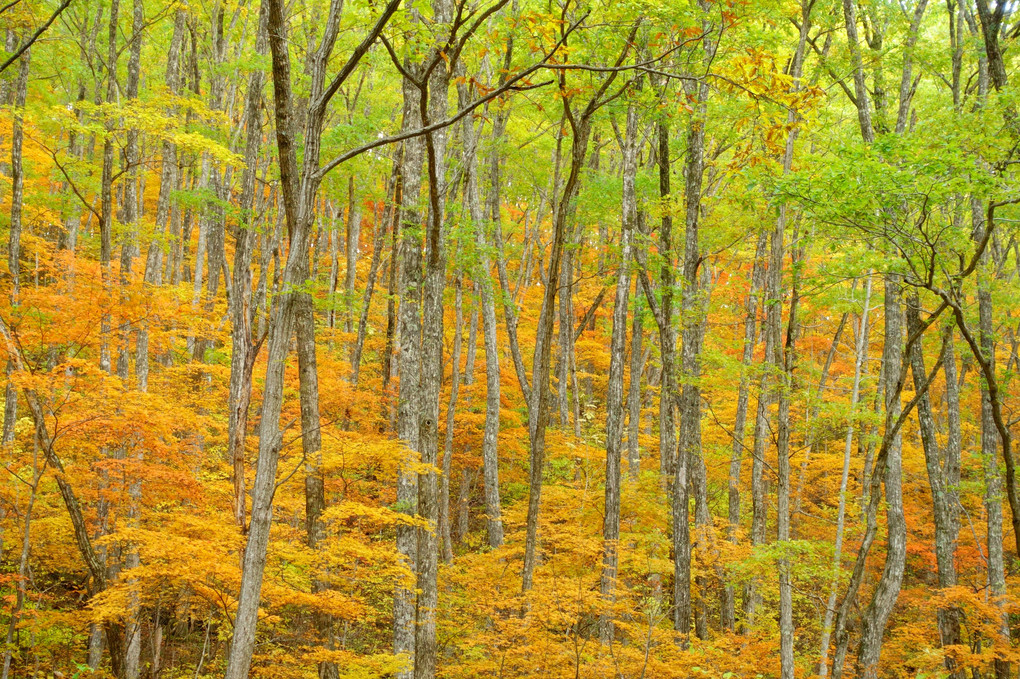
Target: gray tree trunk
(409,398)
(244,350)
(729,604)
(487,310)
(614,389)
(379,239)
(990,444)
(877,614)
(690,466)
(165,210)
(444,490)
(14,241)
(789,359)
(638,357)
(351,250)
(860,357)
(943,477)
(17,179)
(433,108)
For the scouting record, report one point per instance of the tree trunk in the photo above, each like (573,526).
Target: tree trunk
(638,357)
(433,107)
(762,426)
(942,480)
(17,181)
(690,466)
(472,340)
(444,491)
(861,355)
(990,443)
(789,359)
(21,586)
(244,347)
(351,250)
(538,414)
(729,604)
(877,614)
(788,363)
(614,389)
(14,242)
(379,239)
(409,398)
(487,310)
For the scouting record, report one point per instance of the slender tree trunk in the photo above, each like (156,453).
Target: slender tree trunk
(786,628)
(444,491)
(766,394)
(990,443)
(614,393)
(311,446)
(17,182)
(638,357)
(409,398)
(472,340)
(942,480)
(671,469)
(788,362)
(379,239)
(690,466)
(433,107)
(21,588)
(129,216)
(487,310)
(132,213)
(14,242)
(244,347)
(740,422)
(351,250)
(393,285)
(538,415)
(877,614)
(946,541)
(467,479)
(566,332)
(861,355)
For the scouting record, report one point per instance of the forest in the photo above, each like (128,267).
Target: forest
(614,339)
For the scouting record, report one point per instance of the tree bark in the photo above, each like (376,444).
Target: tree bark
(729,604)
(690,465)
(444,492)
(433,107)
(614,389)
(409,396)
(877,614)
(21,588)
(487,310)
(379,239)
(789,360)
(165,210)
(861,355)
(943,480)
(638,357)
(242,314)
